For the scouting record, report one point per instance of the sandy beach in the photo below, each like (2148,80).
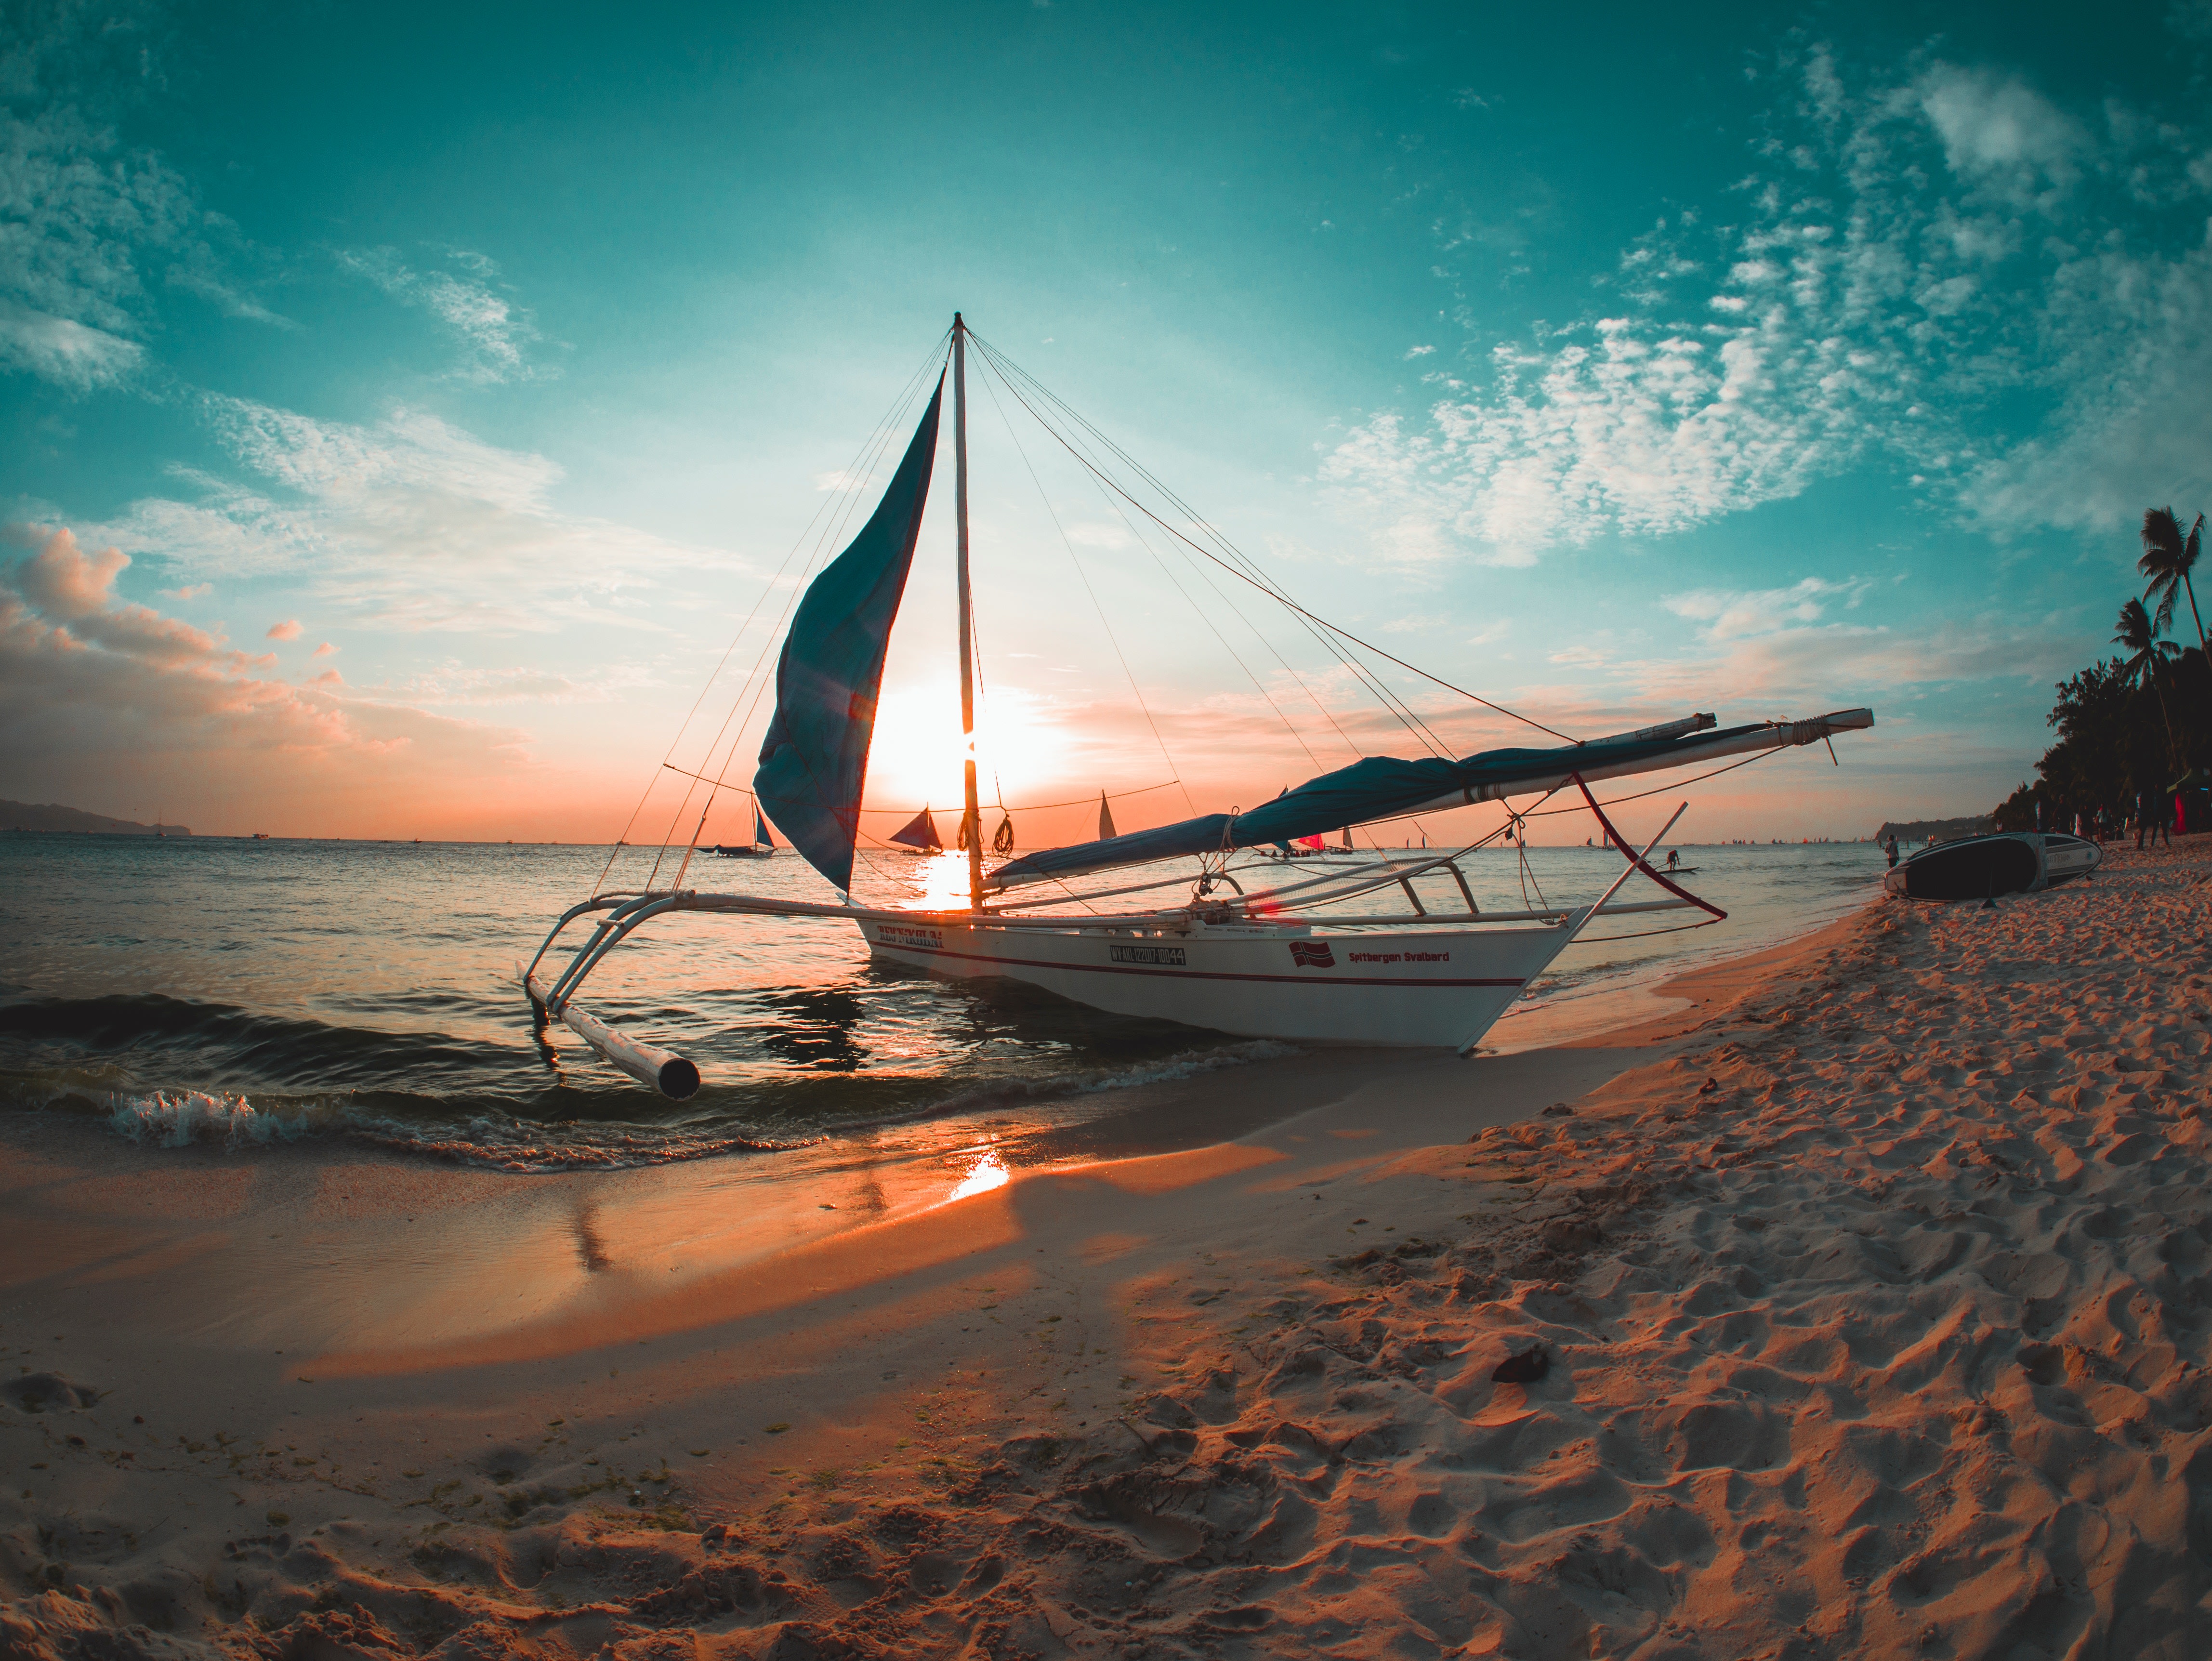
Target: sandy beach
(1852,1305)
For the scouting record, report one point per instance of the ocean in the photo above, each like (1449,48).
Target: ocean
(251,993)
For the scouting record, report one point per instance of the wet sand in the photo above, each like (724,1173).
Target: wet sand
(1860,1292)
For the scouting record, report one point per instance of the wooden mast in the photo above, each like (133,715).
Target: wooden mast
(972,825)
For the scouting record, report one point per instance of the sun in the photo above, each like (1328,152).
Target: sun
(915,758)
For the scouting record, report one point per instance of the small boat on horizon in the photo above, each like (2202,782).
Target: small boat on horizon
(918,835)
(762,846)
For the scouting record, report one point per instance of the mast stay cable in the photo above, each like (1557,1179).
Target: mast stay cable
(1263,583)
(831,518)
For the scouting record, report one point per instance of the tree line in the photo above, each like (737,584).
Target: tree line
(2136,728)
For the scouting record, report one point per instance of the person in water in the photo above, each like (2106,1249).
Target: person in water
(1891,846)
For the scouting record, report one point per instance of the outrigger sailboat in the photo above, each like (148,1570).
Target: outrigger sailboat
(762,846)
(1286,961)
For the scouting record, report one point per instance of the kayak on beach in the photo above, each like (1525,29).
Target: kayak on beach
(1982,867)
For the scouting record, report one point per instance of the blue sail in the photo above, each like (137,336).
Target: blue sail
(1375,787)
(814,760)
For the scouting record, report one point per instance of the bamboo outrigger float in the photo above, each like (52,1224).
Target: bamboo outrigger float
(1279,962)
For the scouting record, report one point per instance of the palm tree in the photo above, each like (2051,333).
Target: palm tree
(2167,559)
(2146,654)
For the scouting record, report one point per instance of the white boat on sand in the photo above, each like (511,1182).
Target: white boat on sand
(1310,958)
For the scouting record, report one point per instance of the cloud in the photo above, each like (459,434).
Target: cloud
(494,331)
(192,591)
(65,352)
(1086,533)
(82,216)
(1908,256)
(325,650)
(453,683)
(1412,352)
(95,686)
(1998,130)
(408,522)
(287,629)
(1732,614)
(66,583)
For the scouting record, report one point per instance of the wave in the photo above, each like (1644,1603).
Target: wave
(180,1119)
(170,1073)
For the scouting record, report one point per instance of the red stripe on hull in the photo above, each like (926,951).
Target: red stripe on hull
(1191,974)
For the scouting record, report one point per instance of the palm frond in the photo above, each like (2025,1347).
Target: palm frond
(2135,630)
(2169,554)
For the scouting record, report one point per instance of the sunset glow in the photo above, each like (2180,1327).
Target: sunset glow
(918,752)
(353,493)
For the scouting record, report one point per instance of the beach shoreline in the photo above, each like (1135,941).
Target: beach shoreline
(1232,1397)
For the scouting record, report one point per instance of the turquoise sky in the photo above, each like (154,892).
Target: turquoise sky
(449,383)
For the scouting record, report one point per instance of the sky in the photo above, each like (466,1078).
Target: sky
(403,410)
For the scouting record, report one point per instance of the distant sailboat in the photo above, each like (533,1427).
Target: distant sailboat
(919,833)
(761,847)
(1262,962)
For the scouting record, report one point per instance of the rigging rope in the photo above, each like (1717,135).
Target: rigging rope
(1405,714)
(1419,731)
(1265,584)
(834,515)
(1112,639)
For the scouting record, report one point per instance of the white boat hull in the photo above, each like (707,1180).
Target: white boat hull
(1419,988)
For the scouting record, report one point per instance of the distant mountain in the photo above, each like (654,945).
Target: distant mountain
(22,816)
(1935,830)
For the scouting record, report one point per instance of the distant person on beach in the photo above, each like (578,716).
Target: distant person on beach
(1890,846)
(2150,819)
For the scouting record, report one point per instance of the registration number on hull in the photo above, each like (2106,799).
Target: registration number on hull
(1154,957)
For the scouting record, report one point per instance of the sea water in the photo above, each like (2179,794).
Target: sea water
(190,989)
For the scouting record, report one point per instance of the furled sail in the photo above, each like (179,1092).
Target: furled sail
(1382,787)
(814,760)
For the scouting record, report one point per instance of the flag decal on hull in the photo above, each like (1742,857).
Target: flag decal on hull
(1313,954)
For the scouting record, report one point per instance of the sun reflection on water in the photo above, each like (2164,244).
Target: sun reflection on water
(940,879)
(987,1173)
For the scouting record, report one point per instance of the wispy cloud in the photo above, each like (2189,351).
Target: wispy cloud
(287,629)
(63,350)
(1732,614)
(495,333)
(83,218)
(410,523)
(1907,252)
